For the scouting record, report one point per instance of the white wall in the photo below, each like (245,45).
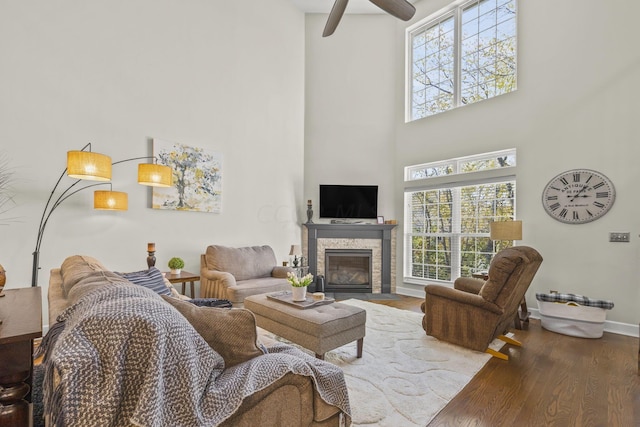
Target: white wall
(349,127)
(576,107)
(225,76)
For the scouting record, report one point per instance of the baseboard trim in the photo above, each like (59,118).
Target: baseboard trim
(410,292)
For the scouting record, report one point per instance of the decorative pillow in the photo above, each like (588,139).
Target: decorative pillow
(151,278)
(231,333)
(281,272)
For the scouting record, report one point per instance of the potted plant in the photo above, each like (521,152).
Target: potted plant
(176,264)
(299,285)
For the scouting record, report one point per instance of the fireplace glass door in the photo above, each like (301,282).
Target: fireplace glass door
(348,270)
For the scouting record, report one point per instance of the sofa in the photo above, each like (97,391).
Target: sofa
(123,351)
(236,273)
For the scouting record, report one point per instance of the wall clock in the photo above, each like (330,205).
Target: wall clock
(578,196)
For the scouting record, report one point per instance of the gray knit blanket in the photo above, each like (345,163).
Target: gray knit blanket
(125,357)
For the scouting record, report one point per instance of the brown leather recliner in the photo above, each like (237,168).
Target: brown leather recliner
(474,313)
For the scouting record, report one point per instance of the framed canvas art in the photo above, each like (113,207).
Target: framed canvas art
(197,178)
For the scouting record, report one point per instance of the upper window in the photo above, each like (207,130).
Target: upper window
(461,55)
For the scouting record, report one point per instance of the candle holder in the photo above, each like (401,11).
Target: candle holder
(151,259)
(309,212)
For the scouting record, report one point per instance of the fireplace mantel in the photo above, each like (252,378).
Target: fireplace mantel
(380,232)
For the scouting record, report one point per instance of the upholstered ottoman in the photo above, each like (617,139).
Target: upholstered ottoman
(319,329)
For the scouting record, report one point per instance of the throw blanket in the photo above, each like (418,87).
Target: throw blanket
(126,357)
(578,299)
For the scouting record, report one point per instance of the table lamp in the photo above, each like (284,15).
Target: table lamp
(295,251)
(505,230)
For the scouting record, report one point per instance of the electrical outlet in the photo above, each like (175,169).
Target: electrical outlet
(619,237)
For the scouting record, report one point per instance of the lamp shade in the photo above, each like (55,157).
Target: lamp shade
(88,165)
(295,250)
(154,175)
(505,230)
(110,200)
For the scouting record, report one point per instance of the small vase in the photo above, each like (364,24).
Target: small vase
(299,293)
(176,270)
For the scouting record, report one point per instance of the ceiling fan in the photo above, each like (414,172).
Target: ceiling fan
(401,9)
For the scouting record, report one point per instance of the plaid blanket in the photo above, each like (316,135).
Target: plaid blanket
(578,299)
(125,358)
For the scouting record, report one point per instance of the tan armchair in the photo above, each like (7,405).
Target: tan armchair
(236,273)
(476,312)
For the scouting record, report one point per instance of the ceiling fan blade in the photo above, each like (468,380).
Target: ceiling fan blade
(334,17)
(401,9)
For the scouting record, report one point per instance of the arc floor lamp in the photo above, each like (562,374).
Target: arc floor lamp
(87,165)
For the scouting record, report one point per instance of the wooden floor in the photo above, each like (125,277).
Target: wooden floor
(552,380)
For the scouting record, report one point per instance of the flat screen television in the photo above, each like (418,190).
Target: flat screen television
(349,201)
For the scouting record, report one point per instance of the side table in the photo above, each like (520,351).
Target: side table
(484,275)
(21,314)
(183,278)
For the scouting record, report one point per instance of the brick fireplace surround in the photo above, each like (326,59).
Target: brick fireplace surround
(379,238)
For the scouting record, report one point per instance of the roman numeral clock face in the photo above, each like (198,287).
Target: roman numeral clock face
(578,196)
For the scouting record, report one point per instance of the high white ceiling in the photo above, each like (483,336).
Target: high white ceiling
(324,6)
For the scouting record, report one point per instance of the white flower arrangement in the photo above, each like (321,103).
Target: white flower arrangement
(299,282)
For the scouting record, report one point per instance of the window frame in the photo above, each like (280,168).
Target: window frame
(455,181)
(455,10)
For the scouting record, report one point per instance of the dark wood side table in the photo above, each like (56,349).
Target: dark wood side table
(183,278)
(21,314)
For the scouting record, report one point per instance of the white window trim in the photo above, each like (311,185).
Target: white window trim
(459,177)
(471,178)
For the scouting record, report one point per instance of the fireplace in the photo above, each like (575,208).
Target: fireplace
(378,240)
(348,270)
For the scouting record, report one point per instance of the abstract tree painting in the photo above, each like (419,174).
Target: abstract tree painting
(197,178)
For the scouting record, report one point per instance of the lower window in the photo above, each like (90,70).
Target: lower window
(447,231)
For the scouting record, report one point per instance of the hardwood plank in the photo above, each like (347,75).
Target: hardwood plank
(552,380)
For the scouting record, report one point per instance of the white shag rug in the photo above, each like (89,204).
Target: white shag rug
(404,377)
